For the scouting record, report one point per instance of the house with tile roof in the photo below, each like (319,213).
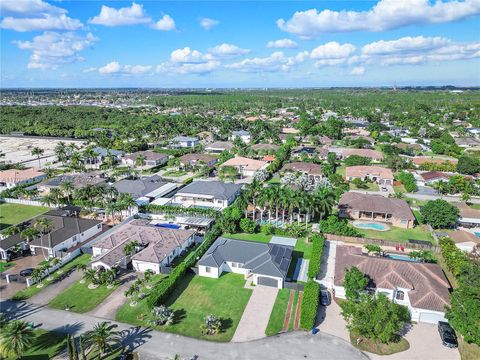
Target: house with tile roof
(246,167)
(421,287)
(312,170)
(378,174)
(266,263)
(469,217)
(14,177)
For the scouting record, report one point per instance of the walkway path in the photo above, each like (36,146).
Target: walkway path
(255,317)
(52,290)
(327,265)
(289,311)
(157,345)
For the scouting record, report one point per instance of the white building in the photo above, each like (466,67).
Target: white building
(211,194)
(243,135)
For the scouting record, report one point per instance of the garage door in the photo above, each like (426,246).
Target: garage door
(262,280)
(430,318)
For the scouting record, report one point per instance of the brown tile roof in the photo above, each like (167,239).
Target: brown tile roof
(466,211)
(248,164)
(430,175)
(14,175)
(372,154)
(149,155)
(428,284)
(419,160)
(362,171)
(225,145)
(460,236)
(309,168)
(376,203)
(187,158)
(265,147)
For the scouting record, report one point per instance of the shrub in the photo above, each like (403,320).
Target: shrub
(248,226)
(439,214)
(334,225)
(308,312)
(408,181)
(268,229)
(318,242)
(354,160)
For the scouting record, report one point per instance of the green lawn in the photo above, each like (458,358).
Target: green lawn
(194,298)
(294,309)
(4,266)
(399,188)
(370,187)
(12,214)
(250,237)
(341,170)
(398,234)
(33,290)
(475,206)
(80,298)
(46,345)
(275,323)
(274,181)
(172,173)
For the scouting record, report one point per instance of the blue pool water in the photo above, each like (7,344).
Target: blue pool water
(372,226)
(168,226)
(401,257)
(478,234)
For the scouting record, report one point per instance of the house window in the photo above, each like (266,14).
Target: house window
(236,265)
(99,226)
(208,269)
(400,295)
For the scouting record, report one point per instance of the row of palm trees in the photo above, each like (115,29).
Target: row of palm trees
(282,203)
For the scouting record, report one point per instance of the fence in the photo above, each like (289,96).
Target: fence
(69,257)
(26,202)
(359,240)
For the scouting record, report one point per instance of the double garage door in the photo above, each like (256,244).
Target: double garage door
(267,281)
(430,318)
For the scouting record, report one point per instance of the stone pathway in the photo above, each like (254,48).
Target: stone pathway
(256,315)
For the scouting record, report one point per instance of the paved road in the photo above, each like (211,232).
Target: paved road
(157,345)
(255,317)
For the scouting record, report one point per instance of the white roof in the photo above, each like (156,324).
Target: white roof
(283,241)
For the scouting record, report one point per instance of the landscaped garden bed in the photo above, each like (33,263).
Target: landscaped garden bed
(376,347)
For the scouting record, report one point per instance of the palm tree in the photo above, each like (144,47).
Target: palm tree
(211,325)
(57,196)
(43,225)
(140,160)
(131,248)
(11,230)
(126,202)
(61,152)
(90,275)
(17,337)
(36,151)
(103,337)
(324,200)
(67,189)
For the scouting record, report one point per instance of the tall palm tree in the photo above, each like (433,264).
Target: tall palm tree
(29,234)
(57,196)
(90,275)
(61,152)
(67,189)
(36,151)
(103,337)
(127,202)
(324,200)
(17,338)
(140,160)
(43,225)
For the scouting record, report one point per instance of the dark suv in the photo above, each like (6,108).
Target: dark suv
(447,334)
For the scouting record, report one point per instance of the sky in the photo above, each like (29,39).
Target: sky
(239,44)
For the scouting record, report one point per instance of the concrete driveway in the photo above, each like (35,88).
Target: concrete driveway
(255,317)
(330,321)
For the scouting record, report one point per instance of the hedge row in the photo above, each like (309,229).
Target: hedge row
(161,292)
(455,258)
(309,309)
(177,210)
(316,257)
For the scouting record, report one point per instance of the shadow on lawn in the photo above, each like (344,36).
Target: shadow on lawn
(226,324)
(48,340)
(178,316)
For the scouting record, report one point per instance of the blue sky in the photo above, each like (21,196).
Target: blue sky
(239,44)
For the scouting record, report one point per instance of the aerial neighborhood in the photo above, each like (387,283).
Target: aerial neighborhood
(237,227)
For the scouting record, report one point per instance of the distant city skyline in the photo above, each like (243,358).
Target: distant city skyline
(230,44)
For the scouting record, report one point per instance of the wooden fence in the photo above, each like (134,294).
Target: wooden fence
(361,240)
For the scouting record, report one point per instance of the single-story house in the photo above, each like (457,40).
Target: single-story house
(368,207)
(309,151)
(102,153)
(368,153)
(241,134)
(151,158)
(246,167)
(14,177)
(464,240)
(469,217)
(184,142)
(467,142)
(420,160)
(431,177)
(421,287)
(290,130)
(203,193)
(192,160)
(218,147)
(313,171)
(265,147)
(78,181)
(266,263)
(145,190)
(158,246)
(378,174)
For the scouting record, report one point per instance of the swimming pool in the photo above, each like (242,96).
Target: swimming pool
(371,226)
(401,257)
(477,233)
(168,226)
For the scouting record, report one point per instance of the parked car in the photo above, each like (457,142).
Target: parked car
(26,272)
(447,334)
(384,188)
(325,297)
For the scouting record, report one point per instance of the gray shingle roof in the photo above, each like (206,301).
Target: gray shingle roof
(140,187)
(218,189)
(260,258)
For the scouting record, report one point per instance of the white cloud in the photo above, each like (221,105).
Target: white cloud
(276,61)
(52,49)
(166,23)
(227,50)
(187,55)
(114,67)
(208,24)
(331,54)
(28,8)
(132,15)
(48,22)
(358,70)
(89,70)
(188,68)
(417,50)
(282,44)
(385,15)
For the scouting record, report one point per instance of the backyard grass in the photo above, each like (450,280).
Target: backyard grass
(46,345)
(377,347)
(399,188)
(294,309)
(33,290)
(194,298)
(12,214)
(341,170)
(468,351)
(370,187)
(259,237)
(171,173)
(79,298)
(475,206)
(275,323)
(274,180)
(398,234)
(5,265)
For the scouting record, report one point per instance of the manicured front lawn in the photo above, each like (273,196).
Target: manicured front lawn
(370,187)
(377,347)
(194,298)
(475,206)
(33,290)
(12,214)
(80,298)
(275,323)
(398,234)
(5,265)
(171,173)
(46,345)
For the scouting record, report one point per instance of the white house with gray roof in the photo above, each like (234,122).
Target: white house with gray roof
(266,263)
(211,194)
(184,142)
(145,190)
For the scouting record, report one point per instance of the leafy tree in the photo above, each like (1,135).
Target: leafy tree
(375,317)
(354,160)
(229,173)
(373,248)
(464,312)
(408,181)
(439,214)
(423,255)
(336,226)
(359,183)
(248,226)
(354,283)
(468,165)
(395,162)
(16,338)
